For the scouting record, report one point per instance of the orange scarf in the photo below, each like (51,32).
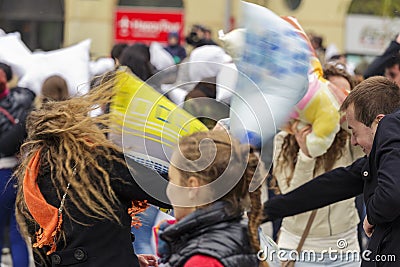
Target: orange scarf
(44,214)
(47,216)
(137,207)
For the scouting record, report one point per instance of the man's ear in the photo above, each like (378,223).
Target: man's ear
(379,117)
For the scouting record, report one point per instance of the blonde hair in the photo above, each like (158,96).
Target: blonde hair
(228,151)
(69,138)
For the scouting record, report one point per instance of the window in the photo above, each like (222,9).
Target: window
(40,22)
(293,4)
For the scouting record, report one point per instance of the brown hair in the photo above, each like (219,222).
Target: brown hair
(69,138)
(228,151)
(373,96)
(290,149)
(338,70)
(54,88)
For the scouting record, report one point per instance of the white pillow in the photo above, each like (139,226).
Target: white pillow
(159,57)
(233,42)
(15,53)
(71,63)
(226,82)
(101,66)
(207,61)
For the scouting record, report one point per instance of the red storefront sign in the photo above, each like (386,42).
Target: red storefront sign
(146,25)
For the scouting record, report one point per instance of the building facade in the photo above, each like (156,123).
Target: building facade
(50,24)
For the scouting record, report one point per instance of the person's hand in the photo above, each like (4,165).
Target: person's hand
(147,260)
(398,39)
(301,136)
(368,228)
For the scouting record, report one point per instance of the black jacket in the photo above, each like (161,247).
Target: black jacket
(377,176)
(17,103)
(212,232)
(94,242)
(377,67)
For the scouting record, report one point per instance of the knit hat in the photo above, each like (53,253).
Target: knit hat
(173,34)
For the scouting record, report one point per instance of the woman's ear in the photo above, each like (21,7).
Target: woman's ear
(193,183)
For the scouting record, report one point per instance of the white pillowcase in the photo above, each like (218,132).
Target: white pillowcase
(101,66)
(15,53)
(207,61)
(159,57)
(71,63)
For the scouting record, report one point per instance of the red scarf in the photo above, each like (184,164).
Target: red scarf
(4,93)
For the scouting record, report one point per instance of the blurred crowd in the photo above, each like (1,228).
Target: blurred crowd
(69,189)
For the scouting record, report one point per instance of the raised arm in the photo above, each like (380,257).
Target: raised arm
(302,173)
(130,189)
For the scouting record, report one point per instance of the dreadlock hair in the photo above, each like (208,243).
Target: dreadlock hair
(228,152)
(290,149)
(70,139)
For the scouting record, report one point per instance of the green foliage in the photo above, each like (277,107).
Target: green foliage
(387,8)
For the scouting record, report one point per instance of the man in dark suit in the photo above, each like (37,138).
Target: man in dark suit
(373,116)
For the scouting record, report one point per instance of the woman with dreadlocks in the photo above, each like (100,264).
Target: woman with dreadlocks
(210,175)
(76,193)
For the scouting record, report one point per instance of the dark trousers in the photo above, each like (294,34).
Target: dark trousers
(19,252)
